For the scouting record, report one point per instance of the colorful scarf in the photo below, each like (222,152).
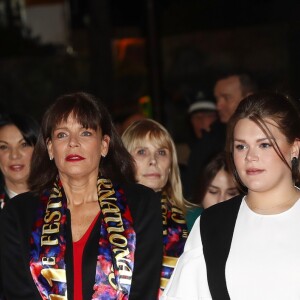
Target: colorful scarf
(2,199)
(115,261)
(175,234)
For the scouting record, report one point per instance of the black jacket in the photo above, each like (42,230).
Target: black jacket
(16,224)
(212,143)
(216,227)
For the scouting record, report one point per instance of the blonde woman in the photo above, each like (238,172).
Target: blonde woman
(153,150)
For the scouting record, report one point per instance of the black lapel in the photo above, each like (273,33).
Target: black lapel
(216,228)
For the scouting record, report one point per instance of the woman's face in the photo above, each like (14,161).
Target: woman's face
(220,189)
(153,164)
(76,150)
(15,156)
(258,165)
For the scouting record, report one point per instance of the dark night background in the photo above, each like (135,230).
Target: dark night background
(173,48)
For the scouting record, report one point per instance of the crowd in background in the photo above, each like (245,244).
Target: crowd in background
(104,206)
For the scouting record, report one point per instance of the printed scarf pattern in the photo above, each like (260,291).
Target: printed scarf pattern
(2,199)
(175,234)
(115,261)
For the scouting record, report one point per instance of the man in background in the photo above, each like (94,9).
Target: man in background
(229,90)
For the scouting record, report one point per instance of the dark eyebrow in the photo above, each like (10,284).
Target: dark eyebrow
(259,140)
(20,141)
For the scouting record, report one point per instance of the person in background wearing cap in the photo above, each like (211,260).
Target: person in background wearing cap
(229,90)
(201,115)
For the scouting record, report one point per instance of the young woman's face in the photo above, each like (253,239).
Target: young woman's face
(258,165)
(221,188)
(77,150)
(153,164)
(15,156)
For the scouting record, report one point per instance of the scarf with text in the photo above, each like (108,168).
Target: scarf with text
(175,234)
(115,260)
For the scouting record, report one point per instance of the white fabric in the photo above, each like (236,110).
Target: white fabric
(263,263)
(10,193)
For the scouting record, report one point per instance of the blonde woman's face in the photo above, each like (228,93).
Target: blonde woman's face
(221,188)
(153,164)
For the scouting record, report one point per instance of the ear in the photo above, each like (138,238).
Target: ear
(295,149)
(49,148)
(105,145)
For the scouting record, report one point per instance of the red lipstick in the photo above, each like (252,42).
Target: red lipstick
(74,157)
(16,168)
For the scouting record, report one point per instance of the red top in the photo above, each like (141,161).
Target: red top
(78,248)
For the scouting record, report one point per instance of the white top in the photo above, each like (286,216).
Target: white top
(263,262)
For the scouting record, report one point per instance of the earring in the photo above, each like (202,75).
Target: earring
(295,162)
(103,155)
(50,157)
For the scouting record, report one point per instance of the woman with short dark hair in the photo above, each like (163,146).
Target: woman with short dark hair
(86,230)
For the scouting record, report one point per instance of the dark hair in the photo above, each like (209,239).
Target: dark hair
(28,126)
(248,85)
(90,113)
(283,110)
(208,174)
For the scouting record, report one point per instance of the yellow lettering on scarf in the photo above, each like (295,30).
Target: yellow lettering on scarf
(54,214)
(51,274)
(124,270)
(106,194)
(46,241)
(109,207)
(50,228)
(177,216)
(164,214)
(118,240)
(112,214)
(53,205)
(57,297)
(50,261)
(58,275)
(112,280)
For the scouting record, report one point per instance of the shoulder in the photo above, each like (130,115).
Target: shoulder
(140,197)
(220,217)
(223,207)
(135,189)
(23,205)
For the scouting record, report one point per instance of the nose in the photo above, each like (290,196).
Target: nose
(153,160)
(251,155)
(220,104)
(15,153)
(73,141)
(221,197)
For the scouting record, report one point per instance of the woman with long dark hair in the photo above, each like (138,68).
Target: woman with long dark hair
(249,246)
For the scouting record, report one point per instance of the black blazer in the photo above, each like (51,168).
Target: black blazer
(16,224)
(216,227)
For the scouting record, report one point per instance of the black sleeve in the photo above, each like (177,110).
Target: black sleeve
(147,217)
(15,233)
